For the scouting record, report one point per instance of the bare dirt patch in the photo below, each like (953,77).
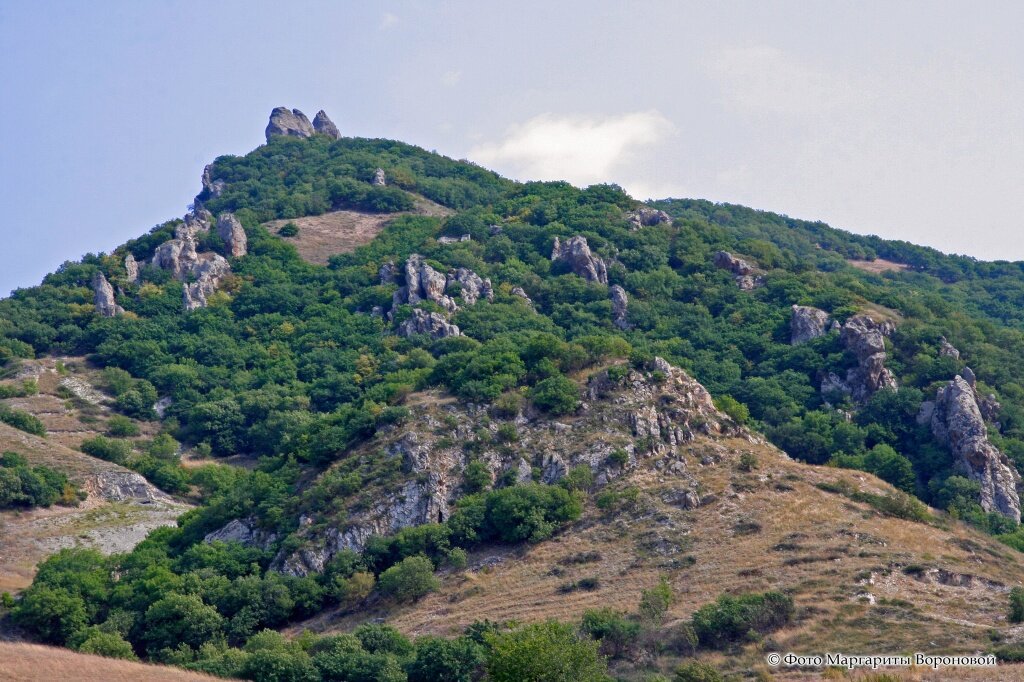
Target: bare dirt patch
(323,236)
(878,266)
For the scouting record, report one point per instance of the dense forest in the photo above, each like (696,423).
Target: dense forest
(288,365)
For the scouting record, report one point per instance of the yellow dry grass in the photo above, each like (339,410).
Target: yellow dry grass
(35,663)
(878,266)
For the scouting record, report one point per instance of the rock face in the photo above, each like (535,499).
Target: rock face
(947,350)
(103,296)
(212,188)
(737,266)
(433,325)
(177,255)
(323,125)
(656,414)
(521,293)
(620,307)
(424,283)
(209,271)
(956,421)
(645,216)
(243,531)
(379,179)
(807,323)
(289,123)
(131,268)
(119,486)
(472,286)
(576,253)
(233,234)
(865,338)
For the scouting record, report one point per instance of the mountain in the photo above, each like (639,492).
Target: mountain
(553,429)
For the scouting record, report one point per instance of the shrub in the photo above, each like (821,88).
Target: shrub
(735,619)
(549,652)
(614,630)
(556,395)
(695,671)
(446,660)
(748,462)
(289,230)
(22,421)
(409,579)
(1017,605)
(654,602)
(109,644)
(116,451)
(476,477)
(120,426)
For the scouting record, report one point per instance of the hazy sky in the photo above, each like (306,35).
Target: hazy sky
(895,118)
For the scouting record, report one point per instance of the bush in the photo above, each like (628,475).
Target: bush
(22,421)
(654,602)
(548,652)
(116,451)
(409,579)
(446,660)
(289,230)
(695,671)
(120,426)
(735,619)
(1016,605)
(748,462)
(614,630)
(556,395)
(109,644)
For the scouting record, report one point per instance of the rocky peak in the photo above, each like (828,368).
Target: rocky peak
(289,123)
(231,231)
(576,253)
(434,325)
(212,188)
(620,306)
(645,216)
(131,268)
(957,422)
(379,179)
(323,125)
(103,296)
(807,323)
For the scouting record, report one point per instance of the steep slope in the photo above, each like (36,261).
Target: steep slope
(31,662)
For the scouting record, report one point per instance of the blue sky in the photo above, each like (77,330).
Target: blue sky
(901,119)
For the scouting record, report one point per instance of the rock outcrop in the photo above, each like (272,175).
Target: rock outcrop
(212,188)
(645,216)
(178,256)
(434,325)
(865,338)
(244,531)
(103,296)
(472,287)
(743,272)
(947,350)
(323,125)
(209,271)
(131,268)
(521,293)
(289,123)
(576,253)
(424,283)
(957,422)
(620,307)
(233,234)
(379,179)
(807,323)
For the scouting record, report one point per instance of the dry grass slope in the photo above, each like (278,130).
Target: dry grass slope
(35,663)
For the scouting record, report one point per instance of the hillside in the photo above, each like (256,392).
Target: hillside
(401,389)
(27,662)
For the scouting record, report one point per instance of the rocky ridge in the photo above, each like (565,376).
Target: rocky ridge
(651,416)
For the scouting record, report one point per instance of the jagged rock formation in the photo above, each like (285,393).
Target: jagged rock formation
(620,307)
(212,188)
(865,338)
(576,253)
(472,286)
(103,296)
(744,273)
(521,293)
(947,350)
(424,283)
(647,416)
(177,255)
(290,123)
(243,531)
(807,323)
(379,179)
(434,325)
(388,273)
(233,234)
(645,216)
(210,269)
(957,422)
(131,268)
(323,125)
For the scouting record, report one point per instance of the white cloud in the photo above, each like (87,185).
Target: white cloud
(769,80)
(388,20)
(583,150)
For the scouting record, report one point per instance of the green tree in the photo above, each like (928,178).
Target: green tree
(1016,605)
(446,660)
(409,579)
(180,619)
(544,652)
